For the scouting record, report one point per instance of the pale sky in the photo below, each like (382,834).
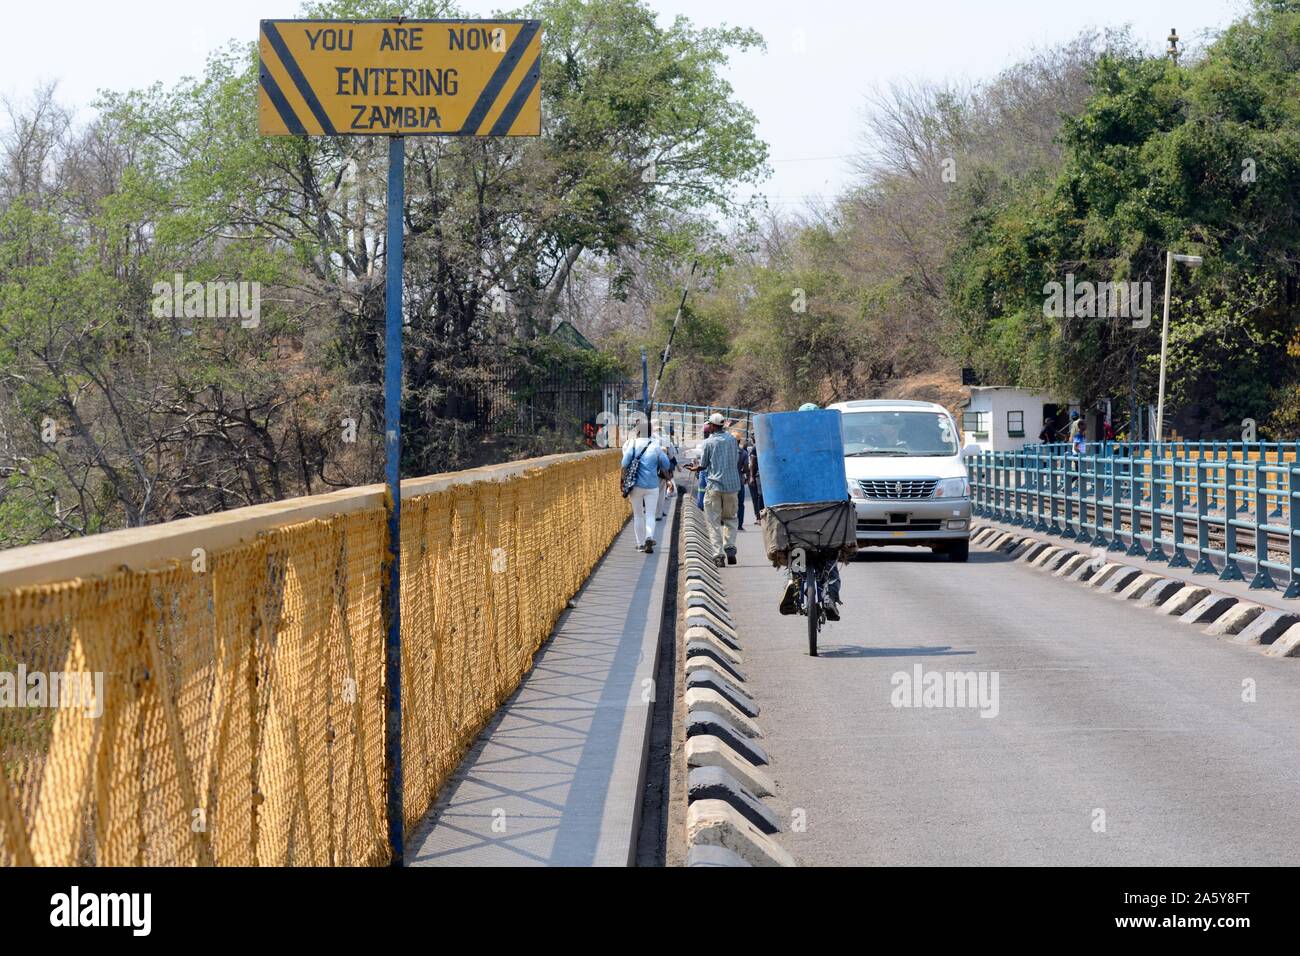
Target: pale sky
(807,89)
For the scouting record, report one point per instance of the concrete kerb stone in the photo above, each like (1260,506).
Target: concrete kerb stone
(705,700)
(704,855)
(709,751)
(703,639)
(1108,571)
(700,659)
(717,823)
(1183,600)
(1058,559)
(711,677)
(1085,570)
(1267,628)
(1123,575)
(709,603)
(1045,556)
(1138,587)
(1288,645)
(714,783)
(705,724)
(1072,565)
(1207,609)
(694,631)
(721,629)
(1234,620)
(1160,593)
(704,617)
(1016,546)
(1033,551)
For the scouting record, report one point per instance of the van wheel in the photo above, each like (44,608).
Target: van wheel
(959,551)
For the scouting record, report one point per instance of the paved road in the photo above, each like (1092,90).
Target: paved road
(1102,706)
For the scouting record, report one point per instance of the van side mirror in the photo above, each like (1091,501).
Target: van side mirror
(971,450)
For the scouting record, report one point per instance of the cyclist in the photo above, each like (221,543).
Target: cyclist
(790,599)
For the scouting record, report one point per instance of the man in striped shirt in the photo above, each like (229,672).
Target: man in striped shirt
(720,470)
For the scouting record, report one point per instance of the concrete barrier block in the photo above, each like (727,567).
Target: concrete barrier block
(1057,560)
(712,752)
(1016,545)
(703,615)
(1033,551)
(704,677)
(1182,601)
(710,661)
(1044,556)
(709,603)
(1119,580)
(1103,576)
(702,639)
(707,700)
(694,631)
(1137,587)
(1086,570)
(1288,645)
(714,783)
(1267,628)
(711,725)
(1207,609)
(1159,593)
(1022,547)
(704,855)
(1235,620)
(1072,565)
(715,823)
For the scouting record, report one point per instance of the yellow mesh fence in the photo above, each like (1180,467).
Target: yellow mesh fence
(231,712)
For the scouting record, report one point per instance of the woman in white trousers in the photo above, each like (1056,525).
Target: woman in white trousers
(645,507)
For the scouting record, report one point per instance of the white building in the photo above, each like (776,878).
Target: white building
(1005,418)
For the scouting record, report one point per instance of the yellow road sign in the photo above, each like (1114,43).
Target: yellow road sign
(400,77)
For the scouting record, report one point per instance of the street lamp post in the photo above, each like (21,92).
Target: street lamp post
(1192,262)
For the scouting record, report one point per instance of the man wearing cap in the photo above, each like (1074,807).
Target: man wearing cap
(720,467)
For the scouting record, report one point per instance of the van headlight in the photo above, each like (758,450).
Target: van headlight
(952,488)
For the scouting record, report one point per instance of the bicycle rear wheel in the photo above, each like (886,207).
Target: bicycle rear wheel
(812,605)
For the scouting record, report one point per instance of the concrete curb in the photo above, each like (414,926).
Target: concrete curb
(727,824)
(1275,632)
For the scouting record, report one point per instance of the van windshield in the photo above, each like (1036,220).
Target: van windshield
(898,434)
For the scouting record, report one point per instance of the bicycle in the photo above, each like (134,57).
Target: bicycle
(814,572)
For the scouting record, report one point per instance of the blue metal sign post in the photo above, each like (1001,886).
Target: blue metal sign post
(392,475)
(300,93)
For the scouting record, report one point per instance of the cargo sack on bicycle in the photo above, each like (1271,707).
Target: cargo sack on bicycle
(817,528)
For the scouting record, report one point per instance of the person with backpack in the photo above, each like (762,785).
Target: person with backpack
(643,463)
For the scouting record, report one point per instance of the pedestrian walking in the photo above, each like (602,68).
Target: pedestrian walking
(742,468)
(719,455)
(754,481)
(1076,433)
(667,484)
(649,460)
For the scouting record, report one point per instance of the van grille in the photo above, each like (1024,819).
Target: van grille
(897,490)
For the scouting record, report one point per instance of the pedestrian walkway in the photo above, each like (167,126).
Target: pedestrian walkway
(556,778)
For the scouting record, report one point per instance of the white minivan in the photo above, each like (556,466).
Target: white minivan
(907,475)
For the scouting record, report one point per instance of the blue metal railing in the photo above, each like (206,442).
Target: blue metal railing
(1169,502)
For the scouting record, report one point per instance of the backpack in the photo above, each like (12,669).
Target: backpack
(632,469)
